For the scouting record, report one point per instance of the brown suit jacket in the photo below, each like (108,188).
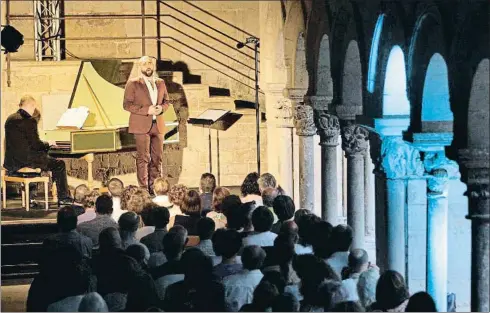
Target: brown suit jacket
(137,101)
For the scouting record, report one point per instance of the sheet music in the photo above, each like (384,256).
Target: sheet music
(212,114)
(73,118)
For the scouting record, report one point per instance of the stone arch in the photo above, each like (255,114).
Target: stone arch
(294,29)
(352,76)
(300,73)
(435,97)
(478,107)
(387,34)
(428,38)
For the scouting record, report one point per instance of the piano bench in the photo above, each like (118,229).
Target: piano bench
(24,176)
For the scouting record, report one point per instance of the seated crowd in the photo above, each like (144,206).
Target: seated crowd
(207,251)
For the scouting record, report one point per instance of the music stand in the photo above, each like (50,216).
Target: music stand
(217,119)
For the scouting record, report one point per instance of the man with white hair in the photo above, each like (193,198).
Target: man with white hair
(146,97)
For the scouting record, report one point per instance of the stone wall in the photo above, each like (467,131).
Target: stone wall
(188,29)
(184,162)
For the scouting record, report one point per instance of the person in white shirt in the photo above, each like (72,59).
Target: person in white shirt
(239,287)
(176,196)
(116,189)
(262,220)
(358,263)
(250,189)
(161,187)
(341,239)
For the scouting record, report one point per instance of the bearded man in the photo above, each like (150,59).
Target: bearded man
(146,97)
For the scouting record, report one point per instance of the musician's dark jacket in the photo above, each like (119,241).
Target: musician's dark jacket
(23,147)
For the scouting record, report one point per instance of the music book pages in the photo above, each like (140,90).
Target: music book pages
(73,118)
(212,114)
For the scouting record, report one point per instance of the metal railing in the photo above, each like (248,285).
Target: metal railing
(218,39)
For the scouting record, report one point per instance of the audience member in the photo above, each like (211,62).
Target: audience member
(421,302)
(160,217)
(239,287)
(198,292)
(161,187)
(173,243)
(176,196)
(366,287)
(217,215)
(265,181)
(358,262)
(283,255)
(250,189)
(207,186)
(284,210)
(391,293)
(79,199)
(92,229)
(128,225)
(269,194)
(116,190)
(285,302)
(227,244)
(191,213)
(148,225)
(138,253)
(159,258)
(67,236)
(348,306)
(306,225)
(93,302)
(205,230)
(138,200)
(89,207)
(142,294)
(262,220)
(264,297)
(341,240)
(128,192)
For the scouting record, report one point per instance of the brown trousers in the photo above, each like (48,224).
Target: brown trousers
(149,152)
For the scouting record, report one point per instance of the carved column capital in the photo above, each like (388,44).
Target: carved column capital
(328,127)
(399,159)
(437,182)
(355,140)
(303,120)
(318,102)
(283,114)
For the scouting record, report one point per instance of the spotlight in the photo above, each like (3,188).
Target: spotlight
(12,39)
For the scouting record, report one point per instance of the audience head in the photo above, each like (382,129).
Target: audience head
(284,248)
(284,208)
(116,187)
(250,186)
(285,302)
(137,252)
(366,287)
(306,224)
(174,243)
(28,104)
(262,219)
(264,296)
(269,194)
(289,228)
(219,194)
(160,216)
(330,293)
(128,192)
(147,213)
(128,222)
(253,257)
(313,269)
(93,302)
(81,193)
(230,203)
(177,194)
(161,186)
(266,180)
(103,205)
(358,261)
(66,219)
(348,306)
(342,236)
(300,214)
(421,302)
(109,239)
(230,244)
(207,183)
(91,199)
(192,203)
(205,228)
(391,290)
(138,200)
(322,245)
(239,216)
(198,267)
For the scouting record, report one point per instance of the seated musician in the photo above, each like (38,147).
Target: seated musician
(24,148)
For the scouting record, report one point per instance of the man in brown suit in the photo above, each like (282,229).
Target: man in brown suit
(146,97)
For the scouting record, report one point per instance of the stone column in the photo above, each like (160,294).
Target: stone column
(369,206)
(399,161)
(329,130)
(475,171)
(305,129)
(355,143)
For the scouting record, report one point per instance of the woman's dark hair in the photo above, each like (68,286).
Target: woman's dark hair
(349,306)
(421,302)
(264,295)
(250,185)
(192,203)
(391,290)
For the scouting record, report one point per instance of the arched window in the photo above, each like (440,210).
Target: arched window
(395,101)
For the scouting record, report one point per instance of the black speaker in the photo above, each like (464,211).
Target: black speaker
(12,39)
